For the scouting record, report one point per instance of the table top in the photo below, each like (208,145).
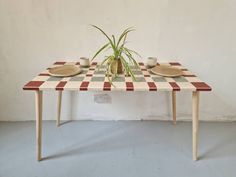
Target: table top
(92,79)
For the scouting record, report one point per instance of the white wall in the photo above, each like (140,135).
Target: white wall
(199,34)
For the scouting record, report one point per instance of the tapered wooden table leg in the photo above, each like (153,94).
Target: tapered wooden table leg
(174,106)
(195,114)
(59,107)
(38,109)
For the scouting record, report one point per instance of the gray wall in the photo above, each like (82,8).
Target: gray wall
(199,34)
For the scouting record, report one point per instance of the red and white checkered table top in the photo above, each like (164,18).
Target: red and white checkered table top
(92,79)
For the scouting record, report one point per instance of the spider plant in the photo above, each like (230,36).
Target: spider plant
(121,57)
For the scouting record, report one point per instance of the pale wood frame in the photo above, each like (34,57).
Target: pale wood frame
(39,110)
(174,107)
(59,98)
(195,114)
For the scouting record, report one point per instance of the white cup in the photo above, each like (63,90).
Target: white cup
(151,61)
(84,62)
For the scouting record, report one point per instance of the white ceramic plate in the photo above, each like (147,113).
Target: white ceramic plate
(167,71)
(64,71)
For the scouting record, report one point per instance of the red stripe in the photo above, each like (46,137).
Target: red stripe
(141,64)
(59,63)
(33,85)
(77,63)
(189,75)
(44,74)
(84,86)
(144,69)
(89,75)
(107,86)
(175,64)
(152,86)
(201,86)
(147,75)
(174,86)
(94,63)
(60,85)
(129,86)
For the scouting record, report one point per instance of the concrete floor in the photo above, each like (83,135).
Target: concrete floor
(117,149)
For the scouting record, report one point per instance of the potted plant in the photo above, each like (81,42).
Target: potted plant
(121,58)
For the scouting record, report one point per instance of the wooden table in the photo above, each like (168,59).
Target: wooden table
(92,79)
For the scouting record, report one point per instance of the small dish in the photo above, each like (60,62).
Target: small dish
(64,71)
(167,71)
(151,62)
(84,62)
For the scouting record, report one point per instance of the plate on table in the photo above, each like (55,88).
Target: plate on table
(167,71)
(64,71)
